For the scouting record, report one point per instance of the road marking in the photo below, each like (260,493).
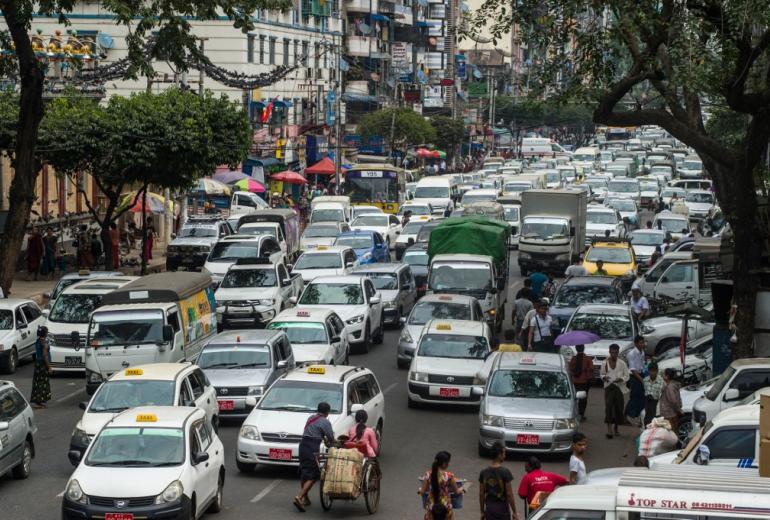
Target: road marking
(68,396)
(390,387)
(262,494)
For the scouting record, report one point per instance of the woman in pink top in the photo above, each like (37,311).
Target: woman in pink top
(363,435)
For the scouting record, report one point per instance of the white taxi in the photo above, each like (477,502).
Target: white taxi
(271,433)
(317,335)
(325,261)
(158,384)
(449,355)
(148,462)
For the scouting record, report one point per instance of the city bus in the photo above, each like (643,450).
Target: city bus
(380,185)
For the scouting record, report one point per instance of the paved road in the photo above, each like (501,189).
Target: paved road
(411,438)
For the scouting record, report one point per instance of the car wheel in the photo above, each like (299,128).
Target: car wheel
(666,345)
(378,433)
(377,338)
(363,348)
(402,364)
(347,356)
(12,363)
(397,319)
(24,468)
(216,505)
(245,467)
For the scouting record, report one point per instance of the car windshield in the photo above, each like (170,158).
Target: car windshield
(371,220)
(720,383)
(300,332)
(431,192)
(606,326)
(597,184)
(674,225)
(63,284)
(137,447)
(230,251)
(692,165)
(327,215)
(385,281)
(198,231)
(553,177)
(332,294)
(530,384)
(648,186)
(609,255)
(416,209)
(453,346)
(707,198)
(359,210)
(74,308)
(242,278)
(117,395)
(623,205)
(126,328)
(461,277)
(576,295)
(412,228)
(647,239)
(321,231)
(511,213)
(252,230)
(601,217)
(234,356)
(6,319)
(668,193)
(544,230)
(426,311)
(416,258)
(516,187)
(623,187)
(471,197)
(319,261)
(586,157)
(302,396)
(356,242)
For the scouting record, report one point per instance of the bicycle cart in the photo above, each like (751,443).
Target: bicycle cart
(361,477)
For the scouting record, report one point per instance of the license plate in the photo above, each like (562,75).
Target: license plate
(73,361)
(118,516)
(449,392)
(528,440)
(226,405)
(279,454)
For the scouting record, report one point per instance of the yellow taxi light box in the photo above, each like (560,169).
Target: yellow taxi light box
(146,417)
(316,370)
(443,326)
(134,372)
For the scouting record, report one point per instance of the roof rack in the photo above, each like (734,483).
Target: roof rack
(616,240)
(352,370)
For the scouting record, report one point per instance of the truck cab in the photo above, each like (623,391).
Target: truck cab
(245,202)
(282,224)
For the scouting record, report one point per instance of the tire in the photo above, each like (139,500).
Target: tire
(413,405)
(347,356)
(397,320)
(245,467)
(12,363)
(483,452)
(326,500)
(380,336)
(193,508)
(379,432)
(363,348)
(402,364)
(666,345)
(216,505)
(24,468)
(372,495)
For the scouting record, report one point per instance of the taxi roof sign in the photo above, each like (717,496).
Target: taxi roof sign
(134,372)
(443,326)
(322,248)
(303,314)
(445,298)
(527,361)
(315,369)
(146,417)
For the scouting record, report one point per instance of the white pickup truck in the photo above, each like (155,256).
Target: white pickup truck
(253,292)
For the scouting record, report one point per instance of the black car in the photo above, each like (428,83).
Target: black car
(417,258)
(579,290)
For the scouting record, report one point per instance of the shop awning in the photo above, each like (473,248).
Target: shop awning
(263,161)
(323,167)
(350,97)
(422,23)
(380,17)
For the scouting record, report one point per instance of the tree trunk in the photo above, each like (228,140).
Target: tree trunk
(25,164)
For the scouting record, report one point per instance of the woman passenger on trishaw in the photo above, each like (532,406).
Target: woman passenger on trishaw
(362,437)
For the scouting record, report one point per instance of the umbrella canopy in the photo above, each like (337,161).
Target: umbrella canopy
(323,167)
(440,154)
(230,176)
(155,203)
(249,184)
(212,187)
(289,177)
(424,152)
(577,337)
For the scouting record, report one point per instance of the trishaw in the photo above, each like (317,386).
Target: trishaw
(367,482)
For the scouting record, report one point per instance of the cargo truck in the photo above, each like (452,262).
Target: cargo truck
(553,228)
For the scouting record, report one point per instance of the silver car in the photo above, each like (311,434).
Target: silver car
(244,363)
(433,307)
(397,288)
(17,432)
(663,333)
(528,403)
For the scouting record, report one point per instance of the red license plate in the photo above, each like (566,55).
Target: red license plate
(528,440)
(279,454)
(449,392)
(226,405)
(118,516)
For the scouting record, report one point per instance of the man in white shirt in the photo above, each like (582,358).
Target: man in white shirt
(576,269)
(540,339)
(639,303)
(636,366)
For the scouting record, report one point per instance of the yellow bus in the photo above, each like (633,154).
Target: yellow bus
(380,185)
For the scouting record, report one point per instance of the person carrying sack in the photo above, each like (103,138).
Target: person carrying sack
(540,338)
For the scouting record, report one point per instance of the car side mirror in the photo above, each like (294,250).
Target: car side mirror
(251,401)
(572,231)
(336,339)
(356,408)
(168,333)
(74,456)
(282,364)
(293,300)
(200,456)
(289,267)
(83,405)
(47,295)
(477,390)
(410,241)
(581,395)
(286,281)
(402,321)
(46,312)
(731,394)
(374,300)
(349,264)
(173,235)
(5,425)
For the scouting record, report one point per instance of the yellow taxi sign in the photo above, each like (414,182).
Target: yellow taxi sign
(146,417)
(134,372)
(443,326)
(84,272)
(322,248)
(316,370)
(423,217)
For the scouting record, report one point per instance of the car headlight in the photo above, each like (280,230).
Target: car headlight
(266,302)
(355,319)
(80,437)
(420,377)
(565,424)
(405,336)
(492,420)
(254,390)
(390,305)
(249,432)
(75,493)
(172,493)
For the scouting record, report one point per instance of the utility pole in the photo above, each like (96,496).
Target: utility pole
(338,119)
(200,71)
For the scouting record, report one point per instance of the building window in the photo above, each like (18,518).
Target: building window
(262,50)
(250,49)
(271,52)
(285,52)
(305,47)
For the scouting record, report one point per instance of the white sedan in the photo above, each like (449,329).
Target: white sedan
(389,226)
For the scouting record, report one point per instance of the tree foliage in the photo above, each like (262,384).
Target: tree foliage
(654,62)
(400,127)
(449,133)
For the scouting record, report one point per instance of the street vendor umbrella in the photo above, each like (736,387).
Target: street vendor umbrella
(289,177)
(576,337)
(155,203)
(424,152)
(323,167)
(212,187)
(249,184)
(440,154)
(230,176)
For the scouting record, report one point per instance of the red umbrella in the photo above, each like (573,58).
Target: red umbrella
(323,167)
(289,177)
(424,152)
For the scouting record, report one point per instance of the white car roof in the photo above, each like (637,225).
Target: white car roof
(156,416)
(603,308)
(10,303)
(458,327)
(304,314)
(99,285)
(743,414)
(325,373)
(338,279)
(326,249)
(447,298)
(155,371)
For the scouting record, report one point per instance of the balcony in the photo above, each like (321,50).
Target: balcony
(362,6)
(360,46)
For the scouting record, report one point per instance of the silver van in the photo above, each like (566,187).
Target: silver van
(17,432)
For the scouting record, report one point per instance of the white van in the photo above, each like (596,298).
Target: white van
(245,202)
(159,318)
(541,147)
(586,159)
(439,192)
(71,313)
(330,208)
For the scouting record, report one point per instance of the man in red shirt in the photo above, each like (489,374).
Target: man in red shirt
(538,480)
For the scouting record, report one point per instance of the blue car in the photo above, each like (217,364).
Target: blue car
(368,245)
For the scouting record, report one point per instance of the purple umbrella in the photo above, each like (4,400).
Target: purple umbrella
(577,337)
(229,177)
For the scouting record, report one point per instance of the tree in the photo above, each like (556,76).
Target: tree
(167,21)
(656,62)
(166,140)
(566,120)
(399,127)
(449,134)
